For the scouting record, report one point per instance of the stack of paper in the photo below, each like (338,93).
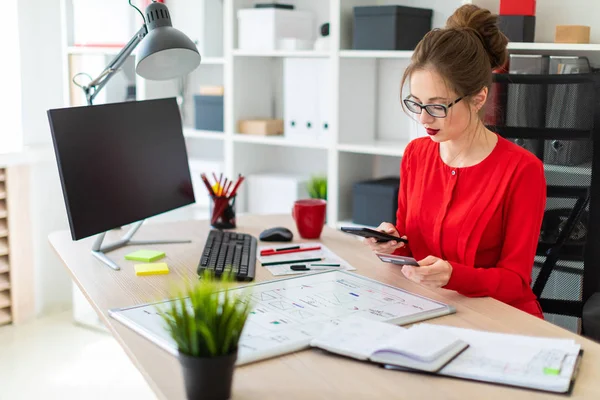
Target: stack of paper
(321,255)
(532,362)
(420,347)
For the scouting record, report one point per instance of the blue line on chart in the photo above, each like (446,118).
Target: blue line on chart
(354,294)
(297,305)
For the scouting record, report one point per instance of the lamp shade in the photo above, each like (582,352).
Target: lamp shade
(164,53)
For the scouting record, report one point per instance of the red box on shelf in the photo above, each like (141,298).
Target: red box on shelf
(517,7)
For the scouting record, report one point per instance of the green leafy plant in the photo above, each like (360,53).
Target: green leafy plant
(206,319)
(317,187)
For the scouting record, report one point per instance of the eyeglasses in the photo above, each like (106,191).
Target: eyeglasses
(435,110)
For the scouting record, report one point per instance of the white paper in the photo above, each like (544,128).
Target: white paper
(279,270)
(513,359)
(361,338)
(357,337)
(421,342)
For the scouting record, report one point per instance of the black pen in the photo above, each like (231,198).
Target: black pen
(302,267)
(287,248)
(291,261)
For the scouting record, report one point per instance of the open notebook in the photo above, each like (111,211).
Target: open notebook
(420,347)
(531,362)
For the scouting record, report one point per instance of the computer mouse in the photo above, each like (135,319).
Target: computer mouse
(277,234)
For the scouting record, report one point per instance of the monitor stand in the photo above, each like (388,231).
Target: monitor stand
(99,251)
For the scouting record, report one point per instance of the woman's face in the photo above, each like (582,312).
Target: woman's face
(428,87)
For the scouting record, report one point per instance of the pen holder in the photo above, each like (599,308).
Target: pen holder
(222,212)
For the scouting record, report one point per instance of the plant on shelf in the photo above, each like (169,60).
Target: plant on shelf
(206,320)
(317,187)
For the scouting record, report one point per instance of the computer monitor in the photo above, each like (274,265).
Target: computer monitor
(120,163)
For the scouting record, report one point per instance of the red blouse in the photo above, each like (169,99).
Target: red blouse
(484,220)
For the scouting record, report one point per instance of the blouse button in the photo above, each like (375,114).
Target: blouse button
(453,172)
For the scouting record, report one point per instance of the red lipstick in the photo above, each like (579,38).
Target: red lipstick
(432,132)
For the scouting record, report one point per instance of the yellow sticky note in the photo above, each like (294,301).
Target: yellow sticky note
(151,269)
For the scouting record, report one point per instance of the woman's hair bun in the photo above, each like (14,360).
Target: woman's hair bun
(484,24)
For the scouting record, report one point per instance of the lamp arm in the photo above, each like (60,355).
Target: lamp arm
(91,89)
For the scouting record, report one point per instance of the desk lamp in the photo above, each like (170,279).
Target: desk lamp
(164,53)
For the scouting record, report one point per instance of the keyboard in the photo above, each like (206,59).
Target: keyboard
(229,250)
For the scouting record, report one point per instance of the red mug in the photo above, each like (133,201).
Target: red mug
(309,215)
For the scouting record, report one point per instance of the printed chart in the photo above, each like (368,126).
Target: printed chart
(288,313)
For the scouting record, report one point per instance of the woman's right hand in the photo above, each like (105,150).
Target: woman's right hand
(385,247)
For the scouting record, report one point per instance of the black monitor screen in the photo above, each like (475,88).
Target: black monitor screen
(120,163)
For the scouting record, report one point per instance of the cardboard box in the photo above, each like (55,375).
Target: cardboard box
(375,201)
(266,126)
(275,193)
(518,28)
(572,34)
(260,29)
(209,113)
(212,90)
(517,7)
(389,27)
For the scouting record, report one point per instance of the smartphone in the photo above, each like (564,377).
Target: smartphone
(371,233)
(398,260)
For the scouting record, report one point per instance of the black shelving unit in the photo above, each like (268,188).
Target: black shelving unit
(568,253)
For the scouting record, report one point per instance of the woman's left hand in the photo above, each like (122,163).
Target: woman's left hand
(433,272)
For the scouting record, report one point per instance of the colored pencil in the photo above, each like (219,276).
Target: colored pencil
(271,252)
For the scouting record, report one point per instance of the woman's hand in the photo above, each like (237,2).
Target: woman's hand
(433,272)
(385,247)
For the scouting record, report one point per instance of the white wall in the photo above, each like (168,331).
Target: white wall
(10,109)
(52,282)
(41,89)
(41,66)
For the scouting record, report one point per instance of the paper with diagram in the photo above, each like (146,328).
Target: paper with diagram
(287,314)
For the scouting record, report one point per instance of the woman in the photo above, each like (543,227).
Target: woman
(471,203)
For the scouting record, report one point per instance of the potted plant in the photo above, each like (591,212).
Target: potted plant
(317,187)
(206,320)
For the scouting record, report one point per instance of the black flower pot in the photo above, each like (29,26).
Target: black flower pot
(208,378)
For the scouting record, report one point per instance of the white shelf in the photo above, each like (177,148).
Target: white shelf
(553,46)
(378,147)
(4,267)
(407,54)
(4,282)
(5,317)
(94,50)
(279,141)
(403,54)
(281,53)
(199,134)
(212,61)
(3,232)
(4,299)
(3,247)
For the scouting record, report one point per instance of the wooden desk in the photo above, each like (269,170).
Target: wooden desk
(309,374)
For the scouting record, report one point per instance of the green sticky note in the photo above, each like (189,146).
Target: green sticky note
(551,371)
(145,255)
